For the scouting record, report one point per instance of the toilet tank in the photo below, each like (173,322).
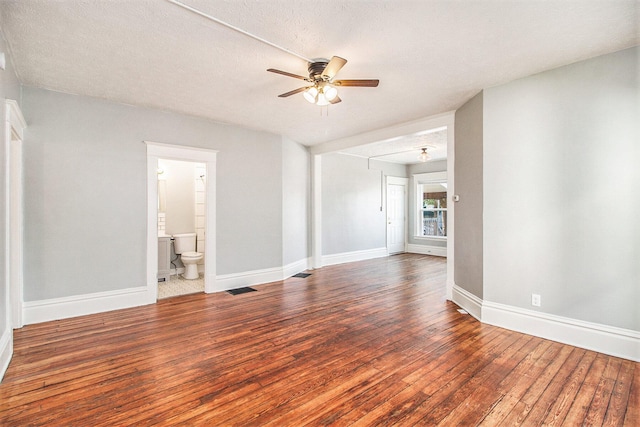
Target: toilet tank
(184,242)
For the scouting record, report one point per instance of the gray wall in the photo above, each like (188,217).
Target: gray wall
(468,249)
(351,200)
(295,202)
(9,89)
(85,192)
(561,191)
(431,166)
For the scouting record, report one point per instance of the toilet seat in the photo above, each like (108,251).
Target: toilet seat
(188,255)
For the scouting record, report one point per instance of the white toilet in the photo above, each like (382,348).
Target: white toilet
(185,246)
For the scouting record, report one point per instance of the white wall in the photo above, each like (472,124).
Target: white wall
(180,214)
(561,191)
(85,192)
(469,252)
(352,198)
(295,202)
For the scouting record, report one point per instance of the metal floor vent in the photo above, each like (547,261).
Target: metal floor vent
(239,291)
(302,275)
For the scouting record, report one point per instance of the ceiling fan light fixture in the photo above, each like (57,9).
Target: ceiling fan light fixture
(423,157)
(330,92)
(311,94)
(322,99)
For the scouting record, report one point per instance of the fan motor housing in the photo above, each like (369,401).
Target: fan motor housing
(316,68)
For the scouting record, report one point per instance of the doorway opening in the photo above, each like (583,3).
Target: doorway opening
(181,216)
(202,163)
(421,146)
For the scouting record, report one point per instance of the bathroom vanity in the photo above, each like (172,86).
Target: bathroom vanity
(164,258)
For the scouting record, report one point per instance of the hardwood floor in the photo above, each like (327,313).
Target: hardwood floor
(367,343)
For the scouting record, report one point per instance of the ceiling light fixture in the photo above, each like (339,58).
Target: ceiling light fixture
(423,157)
(322,93)
(311,94)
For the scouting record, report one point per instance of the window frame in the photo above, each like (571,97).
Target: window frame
(418,181)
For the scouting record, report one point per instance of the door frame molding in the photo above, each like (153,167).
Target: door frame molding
(14,137)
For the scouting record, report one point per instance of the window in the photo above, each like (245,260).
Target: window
(431,203)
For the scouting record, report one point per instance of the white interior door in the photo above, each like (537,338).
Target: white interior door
(396,214)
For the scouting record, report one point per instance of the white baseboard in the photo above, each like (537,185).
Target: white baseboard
(247,278)
(427,250)
(354,256)
(466,300)
(6,350)
(80,305)
(257,277)
(605,339)
(295,268)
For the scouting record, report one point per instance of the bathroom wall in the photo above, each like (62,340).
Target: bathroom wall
(199,177)
(180,210)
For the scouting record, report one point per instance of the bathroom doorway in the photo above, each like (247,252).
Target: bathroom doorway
(163,161)
(181,212)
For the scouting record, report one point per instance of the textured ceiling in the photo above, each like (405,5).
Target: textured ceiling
(405,149)
(430,56)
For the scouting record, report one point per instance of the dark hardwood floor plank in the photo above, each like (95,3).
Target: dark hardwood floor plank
(367,343)
(603,393)
(565,397)
(618,403)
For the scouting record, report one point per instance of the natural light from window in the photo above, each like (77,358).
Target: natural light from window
(432,209)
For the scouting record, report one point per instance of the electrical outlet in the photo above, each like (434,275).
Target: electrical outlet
(535,300)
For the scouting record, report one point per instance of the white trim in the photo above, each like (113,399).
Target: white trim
(257,277)
(451,186)
(605,339)
(13,230)
(6,350)
(354,256)
(155,151)
(295,268)
(16,118)
(247,278)
(467,300)
(439,120)
(427,250)
(80,305)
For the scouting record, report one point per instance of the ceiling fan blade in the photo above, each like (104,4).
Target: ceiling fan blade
(333,67)
(336,100)
(292,92)
(284,73)
(359,83)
